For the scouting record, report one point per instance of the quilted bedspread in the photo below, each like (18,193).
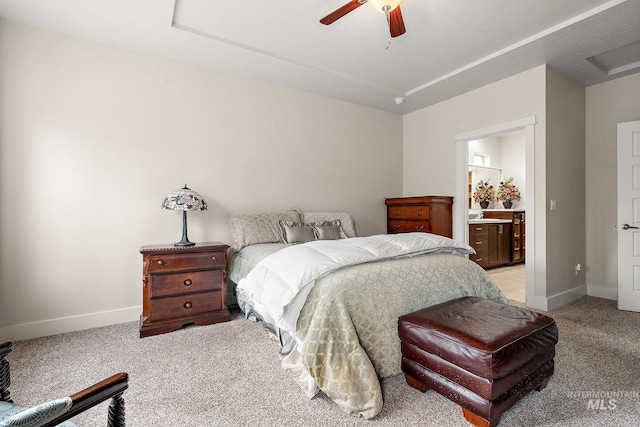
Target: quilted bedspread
(349,324)
(341,300)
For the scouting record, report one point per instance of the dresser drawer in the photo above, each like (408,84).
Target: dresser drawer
(408,226)
(408,212)
(178,262)
(182,283)
(164,309)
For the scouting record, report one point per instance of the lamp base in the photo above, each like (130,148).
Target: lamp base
(181,243)
(185,240)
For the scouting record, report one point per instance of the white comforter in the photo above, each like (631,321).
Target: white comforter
(278,287)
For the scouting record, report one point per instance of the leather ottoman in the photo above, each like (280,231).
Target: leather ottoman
(483,355)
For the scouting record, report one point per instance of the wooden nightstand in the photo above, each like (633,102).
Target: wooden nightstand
(182,285)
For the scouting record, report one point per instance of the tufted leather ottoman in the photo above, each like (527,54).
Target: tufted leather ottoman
(483,355)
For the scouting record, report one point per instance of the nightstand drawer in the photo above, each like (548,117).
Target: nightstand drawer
(408,212)
(408,226)
(185,305)
(182,283)
(180,262)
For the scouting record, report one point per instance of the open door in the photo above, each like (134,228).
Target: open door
(629,216)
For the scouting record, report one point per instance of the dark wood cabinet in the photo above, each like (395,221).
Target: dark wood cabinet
(492,243)
(518,231)
(426,214)
(182,285)
(479,240)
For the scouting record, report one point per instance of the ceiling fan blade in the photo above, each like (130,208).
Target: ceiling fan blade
(396,23)
(340,12)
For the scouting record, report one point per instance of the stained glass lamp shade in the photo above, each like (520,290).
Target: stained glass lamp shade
(184,200)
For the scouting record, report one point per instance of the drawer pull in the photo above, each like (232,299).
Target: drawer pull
(188,305)
(397,227)
(396,213)
(419,227)
(160,262)
(188,282)
(213,258)
(478,228)
(478,243)
(419,213)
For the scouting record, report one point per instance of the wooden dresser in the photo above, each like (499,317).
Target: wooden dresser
(182,285)
(427,214)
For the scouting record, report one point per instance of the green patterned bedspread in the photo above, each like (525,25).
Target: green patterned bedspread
(349,324)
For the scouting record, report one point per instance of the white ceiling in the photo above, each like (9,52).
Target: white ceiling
(450,47)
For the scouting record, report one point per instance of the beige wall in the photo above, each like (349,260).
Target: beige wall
(92,138)
(565,177)
(607,104)
(558,106)
(429,148)
(430,134)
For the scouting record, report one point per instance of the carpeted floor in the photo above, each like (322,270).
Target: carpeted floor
(229,375)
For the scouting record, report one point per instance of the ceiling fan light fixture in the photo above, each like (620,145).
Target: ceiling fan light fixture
(385,6)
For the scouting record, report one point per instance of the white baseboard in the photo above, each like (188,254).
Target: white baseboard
(565,297)
(557,300)
(63,325)
(602,292)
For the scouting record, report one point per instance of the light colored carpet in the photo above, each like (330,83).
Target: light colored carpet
(229,375)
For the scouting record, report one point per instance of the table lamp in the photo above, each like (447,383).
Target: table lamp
(184,200)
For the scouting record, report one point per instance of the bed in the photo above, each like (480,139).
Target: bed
(333,299)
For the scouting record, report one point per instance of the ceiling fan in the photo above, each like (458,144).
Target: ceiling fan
(391,8)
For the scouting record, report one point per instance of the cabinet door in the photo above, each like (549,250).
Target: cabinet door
(499,244)
(504,243)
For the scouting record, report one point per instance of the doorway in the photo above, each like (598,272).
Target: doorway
(461,208)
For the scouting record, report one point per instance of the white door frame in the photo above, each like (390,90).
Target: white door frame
(461,210)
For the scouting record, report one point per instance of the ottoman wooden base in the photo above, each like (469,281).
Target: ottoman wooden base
(483,355)
(476,409)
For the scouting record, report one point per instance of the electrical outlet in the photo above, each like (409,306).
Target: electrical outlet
(553,205)
(578,268)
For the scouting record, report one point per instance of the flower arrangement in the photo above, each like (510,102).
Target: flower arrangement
(484,192)
(507,192)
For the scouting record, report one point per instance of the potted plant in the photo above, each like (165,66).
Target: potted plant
(508,193)
(484,193)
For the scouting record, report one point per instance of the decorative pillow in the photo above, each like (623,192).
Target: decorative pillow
(346,222)
(295,232)
(328,230)
(253,229)
(39,415)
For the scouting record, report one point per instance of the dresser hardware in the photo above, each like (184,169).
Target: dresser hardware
(396,213)
(188,282)
(187,305)
(160,262)
(419,213)
(213,258)
(397,227)
(419,227)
